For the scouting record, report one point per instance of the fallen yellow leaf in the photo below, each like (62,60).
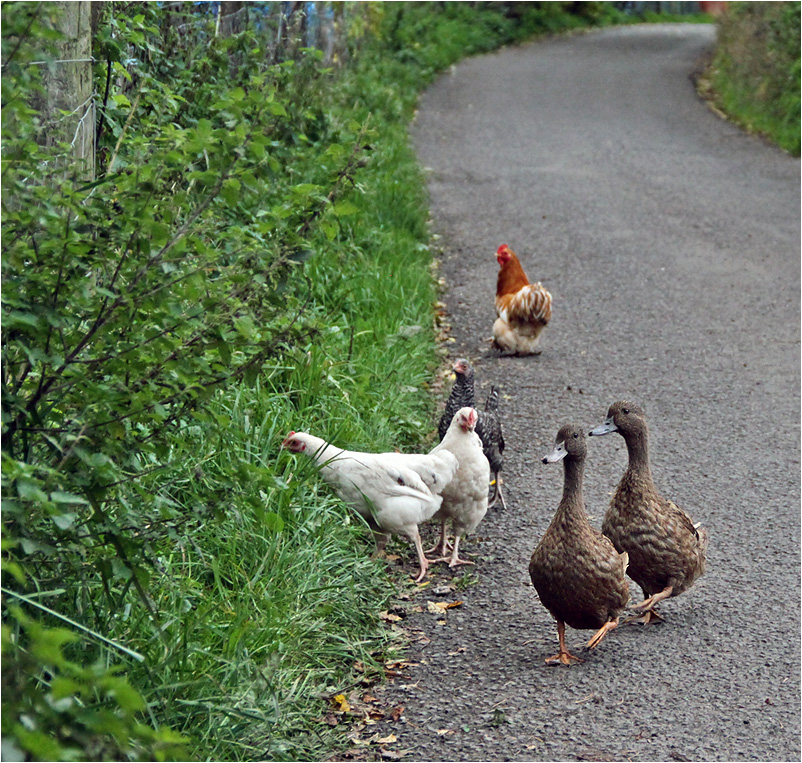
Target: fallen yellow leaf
(387,740)
(438,607)
(341,703)
(398,664)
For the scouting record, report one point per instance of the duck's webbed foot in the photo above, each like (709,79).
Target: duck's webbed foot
(566,658)
(563,656)
(647,607)
(649,617)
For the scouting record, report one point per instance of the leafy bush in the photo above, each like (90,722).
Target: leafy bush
(756,69)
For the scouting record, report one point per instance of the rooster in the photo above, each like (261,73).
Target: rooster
(394,492)
(523,308)
(488,426)
(465,496)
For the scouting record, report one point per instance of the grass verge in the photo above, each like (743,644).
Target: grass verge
(755,72)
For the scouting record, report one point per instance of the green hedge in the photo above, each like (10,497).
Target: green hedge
(756,69)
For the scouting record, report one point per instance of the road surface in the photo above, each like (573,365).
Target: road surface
(670,242)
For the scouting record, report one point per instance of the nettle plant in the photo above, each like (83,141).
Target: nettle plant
(128,300)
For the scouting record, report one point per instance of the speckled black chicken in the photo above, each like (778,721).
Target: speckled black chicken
(489,430)
(666,550)
(461,396)
(576,571)
(488,426)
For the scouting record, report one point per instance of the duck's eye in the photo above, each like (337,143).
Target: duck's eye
(576,435)
(625,410)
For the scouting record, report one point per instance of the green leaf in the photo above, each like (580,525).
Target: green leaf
(230,191)
(224,351)
(18,320)
(64,521)
(47,643)
(128,698)
(62,687)
(57,496)
(273,522)
(121,570)
(330,227)
(13,569)
(306,189)
(29,490)
(344,208)
(244,325)
(39,744)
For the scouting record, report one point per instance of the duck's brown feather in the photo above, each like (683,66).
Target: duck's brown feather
(579,575)
(664,547)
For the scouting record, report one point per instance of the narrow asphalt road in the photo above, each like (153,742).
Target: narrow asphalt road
(670,241)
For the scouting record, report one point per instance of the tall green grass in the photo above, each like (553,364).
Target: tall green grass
(265,605)
(271,595)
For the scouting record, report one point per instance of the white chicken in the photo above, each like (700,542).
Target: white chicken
(465,496)
(394,492)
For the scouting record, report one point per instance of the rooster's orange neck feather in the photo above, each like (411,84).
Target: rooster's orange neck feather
(511,277)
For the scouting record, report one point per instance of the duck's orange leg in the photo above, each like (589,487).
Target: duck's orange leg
(602,632)
(563,656)
(650,614)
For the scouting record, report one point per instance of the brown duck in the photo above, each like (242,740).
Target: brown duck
(666,550)
(576,571)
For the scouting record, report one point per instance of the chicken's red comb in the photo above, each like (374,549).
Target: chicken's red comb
(502,248)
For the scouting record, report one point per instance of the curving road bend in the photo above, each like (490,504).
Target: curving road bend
(670,241)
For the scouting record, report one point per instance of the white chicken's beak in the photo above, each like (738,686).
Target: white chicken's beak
(558,454)
(606,428)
